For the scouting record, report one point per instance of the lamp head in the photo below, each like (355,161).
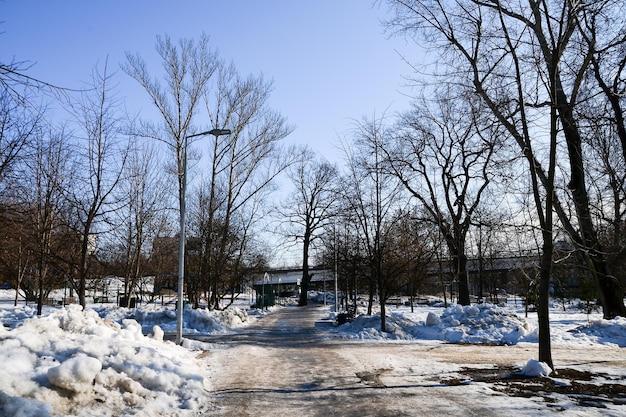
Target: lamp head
(219,132)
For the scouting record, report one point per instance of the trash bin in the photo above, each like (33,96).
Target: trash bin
(124,302)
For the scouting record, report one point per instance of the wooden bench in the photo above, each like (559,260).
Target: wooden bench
(394,300)
(50,302)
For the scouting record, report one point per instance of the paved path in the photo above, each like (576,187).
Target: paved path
(288,364)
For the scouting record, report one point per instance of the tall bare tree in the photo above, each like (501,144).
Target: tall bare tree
(45,179)
(142,195)
(188,66)
(602,114)
(443,156)
(21,127)
(373,197)
(310,207)
(243,167)
(102,148)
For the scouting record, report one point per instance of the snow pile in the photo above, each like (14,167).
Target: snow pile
(10,316)
(535,369)
(194,320)
(76,374)
(610,332)
(484,323)
(73,362)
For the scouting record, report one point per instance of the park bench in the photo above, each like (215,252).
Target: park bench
(397,301)
(50,302)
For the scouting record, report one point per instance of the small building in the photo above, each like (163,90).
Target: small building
(276,284)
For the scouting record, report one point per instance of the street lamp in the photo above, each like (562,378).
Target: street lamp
(181,241)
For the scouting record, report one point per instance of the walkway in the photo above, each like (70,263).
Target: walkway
(288,364)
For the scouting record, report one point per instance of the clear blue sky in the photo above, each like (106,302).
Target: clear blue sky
(330,60)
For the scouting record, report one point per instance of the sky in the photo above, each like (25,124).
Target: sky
(330,60)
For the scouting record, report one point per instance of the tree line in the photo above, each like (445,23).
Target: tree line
(87,191)
(517,127)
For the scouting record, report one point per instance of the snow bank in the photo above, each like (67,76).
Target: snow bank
(488,324)
(483,323)
(609,332)
(56,364)
(194,320)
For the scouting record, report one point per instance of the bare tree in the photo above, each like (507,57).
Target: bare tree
(16,257)
(562,85)
(45,177)
(488,236)
(602,120)
(310,206)
(406,255)
(243,167)
(21,127)
(343,251)
(103,151)
(18,124)
(373,197)
(143,194)
(443,157)
(188,69)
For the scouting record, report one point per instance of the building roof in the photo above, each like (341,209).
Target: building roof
(292,276)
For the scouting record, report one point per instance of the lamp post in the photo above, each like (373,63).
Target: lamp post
(181,241)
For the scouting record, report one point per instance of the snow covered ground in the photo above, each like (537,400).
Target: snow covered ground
(112,361)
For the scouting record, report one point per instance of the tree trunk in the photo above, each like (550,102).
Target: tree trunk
(372,292)
(461,273)
(383,315)
(456,247)
(40,283)
(611,292)
(304,285)
(543,298)
(383,294)
(82,284)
